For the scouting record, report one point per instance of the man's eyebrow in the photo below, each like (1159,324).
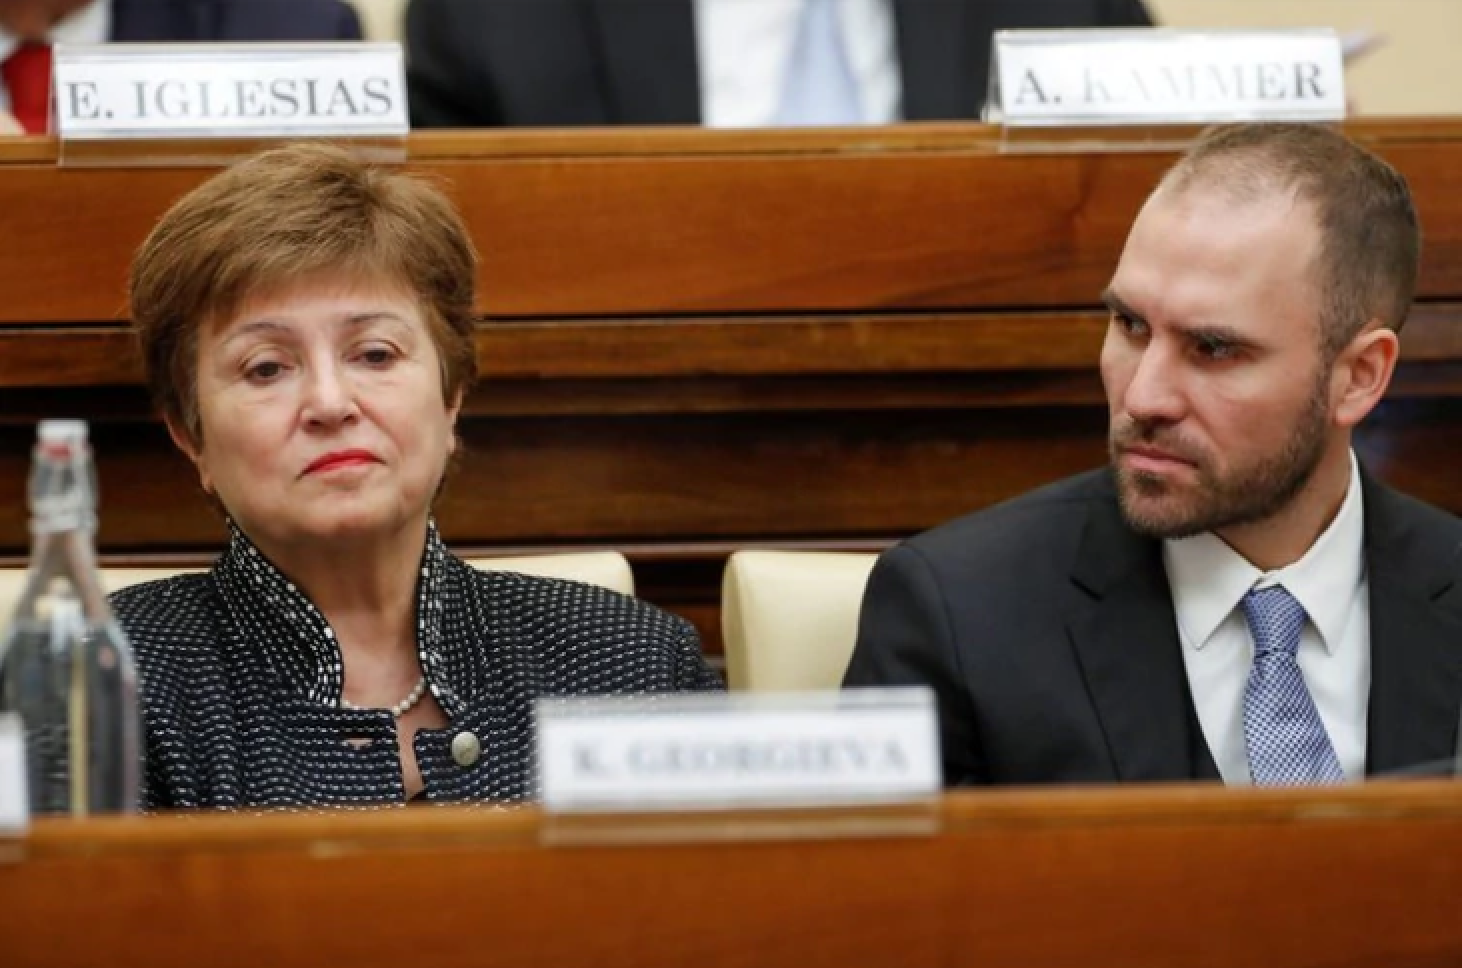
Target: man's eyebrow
(1202,333)
(1115,304)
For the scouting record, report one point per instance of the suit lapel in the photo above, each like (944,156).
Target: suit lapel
(943,72)
(1128,647)
(648,57)
(1416,631)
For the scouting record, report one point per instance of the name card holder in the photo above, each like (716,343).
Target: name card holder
(705,767)
(141,105)
(1147,88)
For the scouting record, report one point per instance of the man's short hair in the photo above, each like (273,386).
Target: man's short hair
(1370,238)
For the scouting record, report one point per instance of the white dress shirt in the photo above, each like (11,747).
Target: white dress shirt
(742,47)
(91,24)
(1209,580)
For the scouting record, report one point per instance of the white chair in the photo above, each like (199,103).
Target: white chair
(789,619)
(609,569)
(12,582)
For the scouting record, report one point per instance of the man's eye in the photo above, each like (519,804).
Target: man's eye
(1128,325)
(1213,348)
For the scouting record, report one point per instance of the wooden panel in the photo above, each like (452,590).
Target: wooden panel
(1365,877)
(696,341)
(723,229)
(1016,344)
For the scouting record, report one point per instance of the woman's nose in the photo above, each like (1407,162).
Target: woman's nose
(329,397)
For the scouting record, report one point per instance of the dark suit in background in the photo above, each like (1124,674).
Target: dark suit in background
(201,21)
(1046,628)
(483,63)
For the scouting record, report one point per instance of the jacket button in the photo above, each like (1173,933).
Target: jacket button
(466,749)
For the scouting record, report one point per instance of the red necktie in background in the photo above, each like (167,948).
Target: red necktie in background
(27,76)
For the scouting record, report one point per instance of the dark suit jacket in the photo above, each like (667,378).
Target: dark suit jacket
(1046,629)
(233,20)
(479,63)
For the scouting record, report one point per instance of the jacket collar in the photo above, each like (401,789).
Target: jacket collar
(269,614)
(1127,641)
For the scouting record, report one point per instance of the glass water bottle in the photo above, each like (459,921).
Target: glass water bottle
(65,666)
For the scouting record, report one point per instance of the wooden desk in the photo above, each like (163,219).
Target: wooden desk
(1152,878)
(700,340)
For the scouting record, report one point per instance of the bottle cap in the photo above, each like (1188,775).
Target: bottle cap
(61,432)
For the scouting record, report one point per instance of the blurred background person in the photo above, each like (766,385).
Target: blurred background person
(307,323)
(29,28)
(723,63)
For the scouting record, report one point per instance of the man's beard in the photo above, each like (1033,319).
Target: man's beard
(1251,493)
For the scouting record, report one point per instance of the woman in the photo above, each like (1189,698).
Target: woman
(306,323)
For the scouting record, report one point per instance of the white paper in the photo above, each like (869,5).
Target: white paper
(122,91)
(723,751)
(1155,76)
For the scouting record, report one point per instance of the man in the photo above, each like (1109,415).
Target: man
(724,63)
(1234,597)
(28,28)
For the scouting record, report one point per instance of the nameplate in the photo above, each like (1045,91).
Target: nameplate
(720,751)
(154,91)
(14,798)
(1165,76)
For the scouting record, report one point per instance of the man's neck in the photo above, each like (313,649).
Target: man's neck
(1285,537)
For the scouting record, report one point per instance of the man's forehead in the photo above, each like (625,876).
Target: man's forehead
(1202,253)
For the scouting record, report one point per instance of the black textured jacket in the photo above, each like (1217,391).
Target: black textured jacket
(241,680)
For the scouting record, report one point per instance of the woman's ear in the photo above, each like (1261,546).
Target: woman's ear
(184,442)
(454,408)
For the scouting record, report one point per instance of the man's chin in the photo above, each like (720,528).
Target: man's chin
(1158,515)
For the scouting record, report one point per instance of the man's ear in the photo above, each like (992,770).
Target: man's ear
(1363,372)
(184,442)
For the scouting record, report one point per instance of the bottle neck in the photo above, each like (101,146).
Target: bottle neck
(71,554)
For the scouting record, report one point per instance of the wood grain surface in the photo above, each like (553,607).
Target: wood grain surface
(1362,877)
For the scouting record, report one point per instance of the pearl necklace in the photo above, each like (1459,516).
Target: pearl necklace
(401,708)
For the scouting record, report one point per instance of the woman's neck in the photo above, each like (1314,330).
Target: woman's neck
(365,589)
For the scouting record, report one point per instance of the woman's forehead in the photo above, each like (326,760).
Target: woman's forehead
(319,301)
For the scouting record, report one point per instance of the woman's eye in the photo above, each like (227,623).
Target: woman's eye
(377,355)
(264,371)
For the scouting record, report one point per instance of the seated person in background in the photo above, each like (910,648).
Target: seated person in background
(28,28)
(307,328)
(723,63)
(1235,597)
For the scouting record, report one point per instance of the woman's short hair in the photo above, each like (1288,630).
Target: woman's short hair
(280,217)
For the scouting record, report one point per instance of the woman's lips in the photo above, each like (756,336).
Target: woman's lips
(341,459)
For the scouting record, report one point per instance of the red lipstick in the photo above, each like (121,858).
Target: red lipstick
(341,458)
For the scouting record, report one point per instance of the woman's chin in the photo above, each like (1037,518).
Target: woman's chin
(347,525)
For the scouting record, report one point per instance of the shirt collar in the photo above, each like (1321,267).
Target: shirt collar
(91,24)
(276,617)
(1209,579)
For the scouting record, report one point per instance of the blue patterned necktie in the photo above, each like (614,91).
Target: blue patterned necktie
(1286,739)
(819,87)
